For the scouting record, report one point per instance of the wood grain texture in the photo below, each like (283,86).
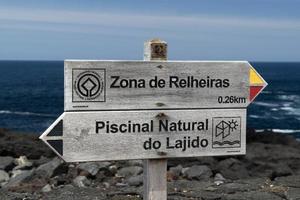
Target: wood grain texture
(155,179)
(160,98)
(155,170)
(81,141)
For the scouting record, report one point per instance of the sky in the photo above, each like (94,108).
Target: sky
(254,30)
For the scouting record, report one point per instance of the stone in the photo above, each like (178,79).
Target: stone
(232,168)
(251,195)
(219,179)
(233,187)
(16,144)
(103,165)
(41,161)
(269,137)
(52,168)
(106,184)
(244,185)
(289,181)
(135,180)
(183,170)
(113,169)
(135,163)
(198,172)
(72,172)
(271,169)
(47,188)
(81,181)
(207,160)
(281,169)
(4,176)
(293,193)
(61,180)
(121,184)
(6,163)
(22,163)
(182,185)
(271,152)
(91,167)
(24,176)
(129,171)
(15,173)
(175,171)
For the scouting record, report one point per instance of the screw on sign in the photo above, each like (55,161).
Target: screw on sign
(159,50)
(153,110)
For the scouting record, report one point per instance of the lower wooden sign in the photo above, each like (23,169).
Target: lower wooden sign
(123,135)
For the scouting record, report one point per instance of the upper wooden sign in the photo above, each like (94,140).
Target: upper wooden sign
(150,85)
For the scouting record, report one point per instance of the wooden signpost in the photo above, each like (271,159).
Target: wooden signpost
(155,170)
(153,110)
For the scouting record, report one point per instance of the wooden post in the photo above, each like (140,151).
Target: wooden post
(155,170)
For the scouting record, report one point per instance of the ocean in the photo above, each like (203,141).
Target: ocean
(32,94)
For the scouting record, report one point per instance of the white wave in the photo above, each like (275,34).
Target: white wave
(291,110)
(259,130)
(277,118)
(297,111)
(258,103)
(287,104)
(26,113)
(254,116)
(266,92)
(292,97)
(281,92)
(285,131)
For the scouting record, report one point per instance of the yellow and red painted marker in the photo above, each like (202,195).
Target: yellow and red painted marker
(257,84)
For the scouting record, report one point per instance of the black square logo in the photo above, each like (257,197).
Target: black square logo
(88,85)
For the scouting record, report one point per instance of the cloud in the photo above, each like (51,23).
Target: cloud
(58,18)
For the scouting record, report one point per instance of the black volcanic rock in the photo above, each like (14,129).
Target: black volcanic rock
(269,137)
(52,168)
(269,170)
(198,172)
(21,144)
(6,162)
(233,169)
(16,181)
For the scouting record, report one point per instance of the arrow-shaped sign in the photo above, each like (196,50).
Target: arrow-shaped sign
(122,135)
(148,110)
(140,85)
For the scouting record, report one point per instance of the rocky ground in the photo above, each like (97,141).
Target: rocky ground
(270,170)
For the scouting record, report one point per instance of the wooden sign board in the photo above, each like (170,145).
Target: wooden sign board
(153,85)
(123,135)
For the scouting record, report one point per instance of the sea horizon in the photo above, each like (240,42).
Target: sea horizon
(36,100)
(58,60)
